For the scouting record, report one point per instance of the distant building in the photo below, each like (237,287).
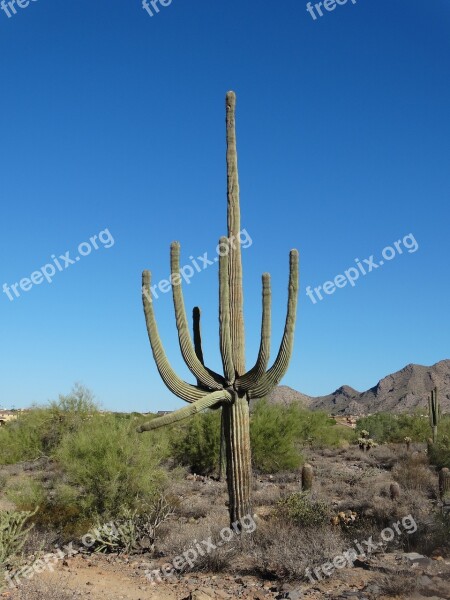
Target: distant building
(7,415)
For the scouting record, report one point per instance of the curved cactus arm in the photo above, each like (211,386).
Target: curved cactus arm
(270,379)
(251,378)
(177,386)
(204,377)
(212,400)
(196,317)
(226,349)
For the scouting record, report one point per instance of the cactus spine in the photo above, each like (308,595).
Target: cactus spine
(233,390)
(434,411)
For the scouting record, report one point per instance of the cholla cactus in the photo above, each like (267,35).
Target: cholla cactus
(407,441)
(307,477)
(233,390)
(13,534)
(366,443)
(365,433)
(434,410)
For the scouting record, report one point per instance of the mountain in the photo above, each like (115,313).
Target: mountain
(403,391)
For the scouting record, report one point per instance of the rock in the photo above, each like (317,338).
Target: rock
(417,559)
(203,594)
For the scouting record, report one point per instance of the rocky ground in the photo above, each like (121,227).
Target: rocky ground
(102,577)
(356,485)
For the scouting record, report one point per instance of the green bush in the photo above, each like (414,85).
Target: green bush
(197,444)
(38,432)
(393,428)
(274,431)
(277,433)
(109,465)
(303,510)
(440,452)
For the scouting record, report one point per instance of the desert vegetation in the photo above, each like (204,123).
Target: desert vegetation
(69,469)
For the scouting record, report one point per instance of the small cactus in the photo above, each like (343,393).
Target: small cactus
(407,441)
(307,477)
(444,483)
(394,490)
(365,433)
(429,446)
(434,410)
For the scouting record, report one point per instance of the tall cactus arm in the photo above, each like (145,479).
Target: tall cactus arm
(177,386)
(196,315)
(204,377)
(251,378)
(270,379)
(212,400)
(226,350)
(234,226)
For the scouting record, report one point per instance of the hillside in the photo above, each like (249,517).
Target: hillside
(402,391)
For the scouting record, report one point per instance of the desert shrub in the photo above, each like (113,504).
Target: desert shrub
(302,509)
(131,531)
(197,444)
(387,427)
(27,494)
(318,430)
(178,538)
(413,473)
(38,432)
(439,453)
(284,551)
(398,584)
(274,431)
(109,465)
(382,426)
(193,507)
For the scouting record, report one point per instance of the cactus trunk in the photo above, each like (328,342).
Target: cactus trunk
(444,483)
(239,471)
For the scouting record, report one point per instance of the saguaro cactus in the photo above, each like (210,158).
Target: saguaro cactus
(434,410)
(233,390)
(307,477)
(444,483)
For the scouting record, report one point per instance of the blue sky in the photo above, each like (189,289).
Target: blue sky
(114,120)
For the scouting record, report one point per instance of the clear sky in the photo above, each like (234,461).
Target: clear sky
(113,121)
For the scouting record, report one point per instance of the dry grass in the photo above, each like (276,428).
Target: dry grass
(284,551)
(400,584)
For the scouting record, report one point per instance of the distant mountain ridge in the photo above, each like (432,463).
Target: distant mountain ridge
(403,391)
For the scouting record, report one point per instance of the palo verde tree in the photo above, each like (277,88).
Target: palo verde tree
(233,390)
